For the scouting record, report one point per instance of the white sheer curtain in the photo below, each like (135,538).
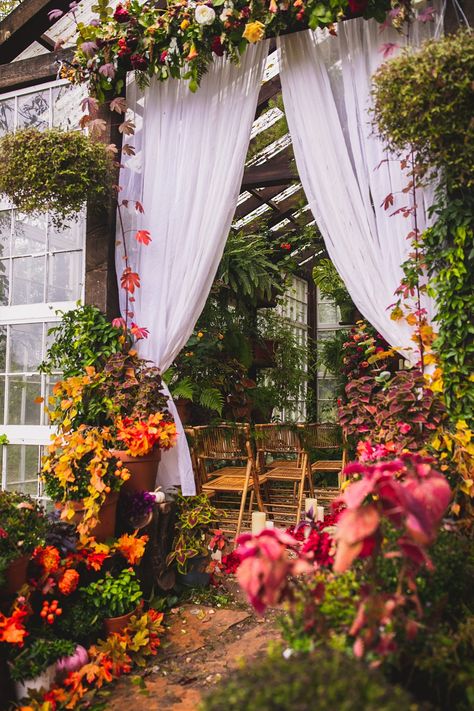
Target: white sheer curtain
(187,171)
(326,83)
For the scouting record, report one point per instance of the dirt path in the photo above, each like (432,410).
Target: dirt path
(201,646)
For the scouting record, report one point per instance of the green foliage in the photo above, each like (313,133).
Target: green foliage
(38,656)
(54,170)
(113,596)
(82,338)
(424,100)
(272,133)
(194,517)
(325,680)
(80,621)
(23,526)
(330,283)
(449,253)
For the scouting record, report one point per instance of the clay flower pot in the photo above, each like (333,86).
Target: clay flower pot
(143,470)
(107,516)
(16,575)
(42,682)
(117,624)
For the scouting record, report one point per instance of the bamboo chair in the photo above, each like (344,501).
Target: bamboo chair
(281,439)
(328,437)
(191,439)
(225,443)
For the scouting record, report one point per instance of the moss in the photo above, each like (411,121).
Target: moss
(325,680)
(54,170)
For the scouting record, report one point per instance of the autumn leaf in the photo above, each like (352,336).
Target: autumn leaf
(139,207)
(387,202)
(128,150)
(143,237)
(129,280)
(127,128)
(119,105)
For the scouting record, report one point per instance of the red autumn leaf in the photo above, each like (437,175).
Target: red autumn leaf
(139,207)
(143,237)
(128,150)
(127,128)
(129,280)
(387,202)
(118,104)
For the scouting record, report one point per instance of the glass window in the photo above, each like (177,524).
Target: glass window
(29,234)
(27,282)
(64,276)
(7,116)
(26,350)
(33,110)
(22,467)
(24,407)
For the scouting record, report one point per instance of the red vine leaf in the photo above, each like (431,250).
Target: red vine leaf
(139,207)
(387,202)
(119,105)
(143,237)
(129,280)
(127,128)
(128,149)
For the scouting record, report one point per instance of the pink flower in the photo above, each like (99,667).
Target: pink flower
(119,323)
(404,427)
(121,14)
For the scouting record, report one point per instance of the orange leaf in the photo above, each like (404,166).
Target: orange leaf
(143,237)
(129,280)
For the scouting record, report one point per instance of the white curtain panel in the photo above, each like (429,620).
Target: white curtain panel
(326,82)
(187,172)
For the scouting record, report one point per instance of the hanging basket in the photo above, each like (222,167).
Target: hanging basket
(143,470)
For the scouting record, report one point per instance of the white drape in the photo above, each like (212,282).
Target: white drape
(187,173)
(326,83)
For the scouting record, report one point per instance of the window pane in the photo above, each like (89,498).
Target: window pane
(67,106)
(22,408)
(326,389)
(33,110)
(29,235)
(28,280)
(2,401)
(23,468)
(64,276)
(5,230)
(25,347)
(3,348)
(327,313)
(71,237)
(7,116)
(4,281)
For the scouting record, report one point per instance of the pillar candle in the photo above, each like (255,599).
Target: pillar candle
(258,522)
(320,513)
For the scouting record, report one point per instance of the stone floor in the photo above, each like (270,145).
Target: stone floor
(201,646)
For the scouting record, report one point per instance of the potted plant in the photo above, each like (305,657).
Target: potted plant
(332,287)
(143,426)
(34,667)
(82,476)
(23,526)
(195,514)
(115,599)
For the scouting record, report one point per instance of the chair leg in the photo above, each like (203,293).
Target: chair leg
(300,497)
(244,498)
(251,501)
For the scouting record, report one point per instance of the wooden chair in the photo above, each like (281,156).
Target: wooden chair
(327,437)
(283,440)
(229,443)
(191,439)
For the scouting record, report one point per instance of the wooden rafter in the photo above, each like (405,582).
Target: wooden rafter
(25,25)
(26,72)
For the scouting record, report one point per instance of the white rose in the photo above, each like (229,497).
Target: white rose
(205,15)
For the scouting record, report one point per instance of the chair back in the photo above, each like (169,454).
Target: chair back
(222,442)
(321,435)
(278,439)
(191,439)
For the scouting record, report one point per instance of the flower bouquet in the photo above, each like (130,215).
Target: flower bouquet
(83,477)
(23,526)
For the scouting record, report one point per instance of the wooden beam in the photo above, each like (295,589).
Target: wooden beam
(279,170)
(25,24)
(270,89)
(35,70)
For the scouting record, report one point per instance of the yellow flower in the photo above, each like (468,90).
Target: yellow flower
(184,25)
(193,53)
(200,334)
(254,32)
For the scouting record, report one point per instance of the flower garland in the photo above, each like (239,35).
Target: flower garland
(182,39)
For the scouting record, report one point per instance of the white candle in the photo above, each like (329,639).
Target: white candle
(270,525)
(320,513)
(311,504)
(258,522)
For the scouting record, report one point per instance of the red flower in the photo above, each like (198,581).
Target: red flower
(121,14)
(358,5)
(124,49)
(286,246)
(138,62)
(3,533)
(163,56)
(217,46)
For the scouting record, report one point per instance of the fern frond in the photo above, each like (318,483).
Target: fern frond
(212,398)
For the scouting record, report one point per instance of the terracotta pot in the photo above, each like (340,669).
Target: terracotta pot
(117,624)
(16,575)
(107,516)
(143,470)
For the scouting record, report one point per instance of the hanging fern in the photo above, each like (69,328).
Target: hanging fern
(212,399)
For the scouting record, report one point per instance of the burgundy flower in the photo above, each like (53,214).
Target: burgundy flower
(121,14)
(358,5)
(124,49)
(163,56)
(138,62)
(217,46)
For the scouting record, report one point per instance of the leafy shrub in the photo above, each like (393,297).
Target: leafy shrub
(54,170)
(114,596)
(80,621)
(425,100)
(38,656)
(23,526)
(82,338)
(326,680)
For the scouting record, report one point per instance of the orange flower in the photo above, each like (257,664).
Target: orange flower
(12,630)
(140,437)
(69,582)
(48,557)
(131,547)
